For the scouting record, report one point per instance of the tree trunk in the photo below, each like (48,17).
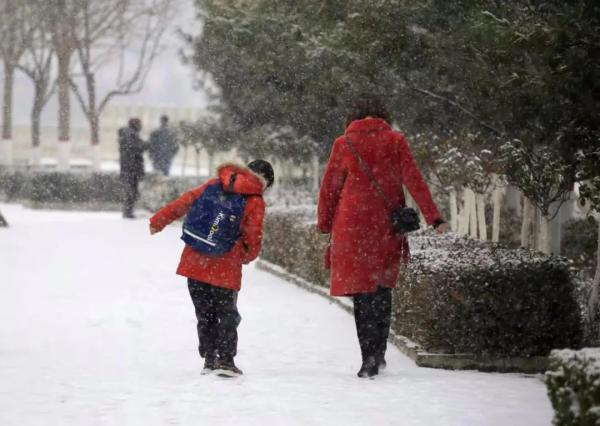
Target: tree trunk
(513,200)
(198,162)
(276,169)
(593,301)
(453,211)
(496,217)
(6,154)
(543,234)
(526,222)
(184,160)
(316,181)
(95,128)
(463,219)
(480,200)
(64,110)
(555,228)
(211,163)
(36,118)
(472,213)
(64,100)
(7,101)
(94,113)
(95,138)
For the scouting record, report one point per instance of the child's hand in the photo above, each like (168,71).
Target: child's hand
(153,230)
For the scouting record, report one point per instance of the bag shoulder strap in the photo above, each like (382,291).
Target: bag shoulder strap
(368,172)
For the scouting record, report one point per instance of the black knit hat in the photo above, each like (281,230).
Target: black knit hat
(264,169)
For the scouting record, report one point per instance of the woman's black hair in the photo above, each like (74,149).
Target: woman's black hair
(368,106)
(264,169)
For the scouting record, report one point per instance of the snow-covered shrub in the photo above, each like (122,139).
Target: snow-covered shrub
(157,190)
(75,187)
(57,187)
(591,320)
(573,382)
(457,295)
(102,190)
(291,241)
(465,296)
(12,184)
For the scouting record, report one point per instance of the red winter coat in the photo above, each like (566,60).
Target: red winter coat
(365,252)
(225,270)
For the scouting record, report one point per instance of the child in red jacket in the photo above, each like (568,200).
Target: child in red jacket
(214,280)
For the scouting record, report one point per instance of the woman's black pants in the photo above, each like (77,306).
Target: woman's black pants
(218,319)
(372,313)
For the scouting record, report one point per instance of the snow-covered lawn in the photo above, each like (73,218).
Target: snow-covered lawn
(95,329)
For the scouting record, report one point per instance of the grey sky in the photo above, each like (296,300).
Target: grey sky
(168,84)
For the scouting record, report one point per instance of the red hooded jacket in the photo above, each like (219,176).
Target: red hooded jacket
(225,270)
(365,252)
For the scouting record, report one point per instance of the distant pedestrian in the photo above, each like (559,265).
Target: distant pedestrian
(131,159)
(222,230)
(365,173)
(163,146)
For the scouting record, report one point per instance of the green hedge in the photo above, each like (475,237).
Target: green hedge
(291,241)
(87,188)
(458,295)
(465,296)
(157,190)
(573,383)
(58,187)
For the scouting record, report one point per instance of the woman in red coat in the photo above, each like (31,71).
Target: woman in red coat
(365,254)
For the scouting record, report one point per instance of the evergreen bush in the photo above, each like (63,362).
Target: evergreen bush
(457,295)
(573,383)
(465,296)
(72,189)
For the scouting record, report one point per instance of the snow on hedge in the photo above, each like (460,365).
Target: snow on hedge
(573,383)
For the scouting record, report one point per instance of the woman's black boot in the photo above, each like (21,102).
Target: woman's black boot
(370,368)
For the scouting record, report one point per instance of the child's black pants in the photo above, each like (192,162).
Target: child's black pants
(218,319)
(372,313)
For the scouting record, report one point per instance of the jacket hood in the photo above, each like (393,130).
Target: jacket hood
(368,124)
(240,179)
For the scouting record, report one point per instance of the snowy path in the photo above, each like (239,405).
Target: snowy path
(95,329)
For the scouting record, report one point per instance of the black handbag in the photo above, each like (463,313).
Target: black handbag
(403,219)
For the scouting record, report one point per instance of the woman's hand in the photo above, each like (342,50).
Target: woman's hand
(442,228)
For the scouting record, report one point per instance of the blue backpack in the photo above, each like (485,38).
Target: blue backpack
(212,226)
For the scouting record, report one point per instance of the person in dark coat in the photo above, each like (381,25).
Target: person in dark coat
(131,159)
(163,146)
(365,254)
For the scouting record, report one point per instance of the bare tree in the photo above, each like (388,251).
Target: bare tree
(61,18)
(122,34)
(37,63)
(12,46)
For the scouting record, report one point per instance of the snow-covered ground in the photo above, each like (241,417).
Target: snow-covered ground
(95,329)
